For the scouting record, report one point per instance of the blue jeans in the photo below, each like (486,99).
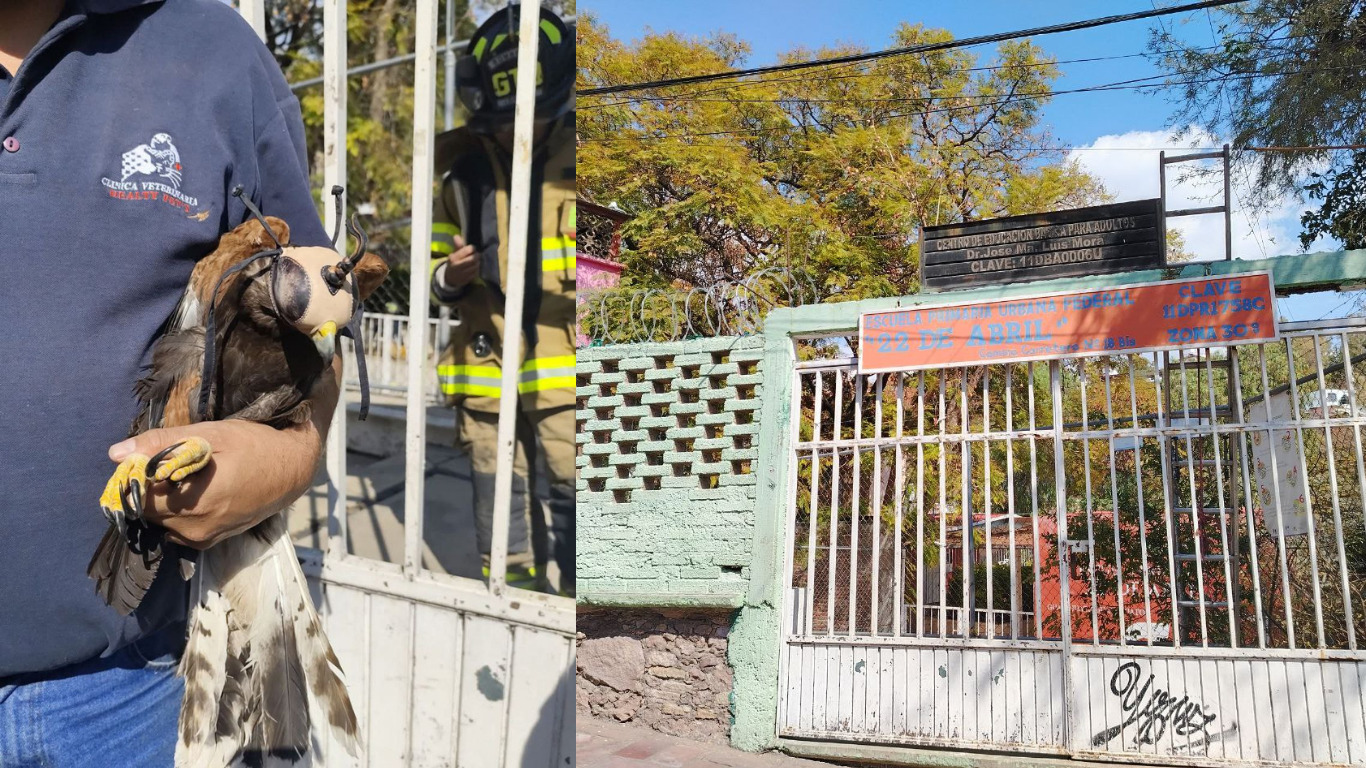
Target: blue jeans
(110,712)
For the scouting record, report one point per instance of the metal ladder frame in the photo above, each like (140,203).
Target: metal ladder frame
(1226,209)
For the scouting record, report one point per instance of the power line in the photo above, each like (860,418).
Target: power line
(913,49)
(695,96)
(1121,85)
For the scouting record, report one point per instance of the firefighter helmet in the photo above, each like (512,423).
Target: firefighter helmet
(486,76)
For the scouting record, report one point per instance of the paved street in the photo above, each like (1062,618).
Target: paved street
(605,744)
(375,505)
(375,501)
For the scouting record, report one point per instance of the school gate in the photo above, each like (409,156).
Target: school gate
(1149,557)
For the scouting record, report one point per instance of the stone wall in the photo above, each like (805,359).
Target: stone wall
(665,669)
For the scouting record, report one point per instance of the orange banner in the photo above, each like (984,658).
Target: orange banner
(1198,312)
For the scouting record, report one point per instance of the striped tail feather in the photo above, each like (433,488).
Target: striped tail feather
(278,672)
(210,716)
(326,681)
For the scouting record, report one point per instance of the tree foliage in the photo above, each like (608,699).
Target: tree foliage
(832,170)
(1286,73)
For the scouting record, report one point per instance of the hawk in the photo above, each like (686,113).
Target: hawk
(258,669)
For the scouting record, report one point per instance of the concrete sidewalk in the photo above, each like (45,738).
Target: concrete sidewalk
(375,501)
(605,744)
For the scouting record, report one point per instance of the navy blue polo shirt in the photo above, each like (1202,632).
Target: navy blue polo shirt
(122,136)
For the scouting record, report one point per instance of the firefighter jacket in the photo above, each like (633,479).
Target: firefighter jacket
(473,202)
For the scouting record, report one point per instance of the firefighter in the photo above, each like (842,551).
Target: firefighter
(469,268)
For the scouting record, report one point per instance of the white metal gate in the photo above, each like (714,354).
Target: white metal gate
(443,670)
(1150,557)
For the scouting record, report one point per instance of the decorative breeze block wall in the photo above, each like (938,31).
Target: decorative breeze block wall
(667,435)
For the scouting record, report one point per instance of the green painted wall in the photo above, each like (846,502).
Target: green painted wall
(667,438)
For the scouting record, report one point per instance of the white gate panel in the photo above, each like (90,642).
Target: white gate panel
(435,685)
(1300,710)
(922,695)
(1089,557)
(438,655)
(390,671)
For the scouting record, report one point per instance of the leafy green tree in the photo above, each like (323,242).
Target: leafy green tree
(1285,73)
(831,170)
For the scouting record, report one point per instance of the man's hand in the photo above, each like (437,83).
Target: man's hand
(255,471)
(462,265)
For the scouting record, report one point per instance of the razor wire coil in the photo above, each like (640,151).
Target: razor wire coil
(726,308)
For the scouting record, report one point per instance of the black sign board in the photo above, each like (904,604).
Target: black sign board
(1121,237)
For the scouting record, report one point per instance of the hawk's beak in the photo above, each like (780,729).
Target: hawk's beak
(325,339)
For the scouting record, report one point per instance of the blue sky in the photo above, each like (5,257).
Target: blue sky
(1075,119)
(1112,126)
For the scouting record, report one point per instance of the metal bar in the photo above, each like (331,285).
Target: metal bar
(1190,158)
(1064,554)
(900,491)
(965,530)
(855,521)
(519,208)
(1225,508)
(1090,512)
(1034,508)
(1324,323)
(836,432)
(1356,434)
(1308,497)
(1250,500)
(813,513)
(1228,209)
(943,509)
(1164,444)
(443,312)
(334,174)
(386,350)
(1145,566)
(1276,497)
(1333,496)
(1195,506)
(1010,506)
(1162,203)
(1114,507)
(254,11)
(1197,430)
(394,61)
(1198,211)
(448,104)
(876,507)
(919,508)
(424,120)
(990,569)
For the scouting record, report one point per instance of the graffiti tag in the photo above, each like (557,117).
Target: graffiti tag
(1151,711)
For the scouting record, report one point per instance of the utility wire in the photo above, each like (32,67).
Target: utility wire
(912,49)
(1121,85)
(696,96)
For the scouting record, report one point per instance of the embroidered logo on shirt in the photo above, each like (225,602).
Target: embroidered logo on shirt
(152,172)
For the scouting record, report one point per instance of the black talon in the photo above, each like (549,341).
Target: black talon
(160,456)
(132,500)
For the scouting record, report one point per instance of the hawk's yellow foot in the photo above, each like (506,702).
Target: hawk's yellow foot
(176,462)
(122,497)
